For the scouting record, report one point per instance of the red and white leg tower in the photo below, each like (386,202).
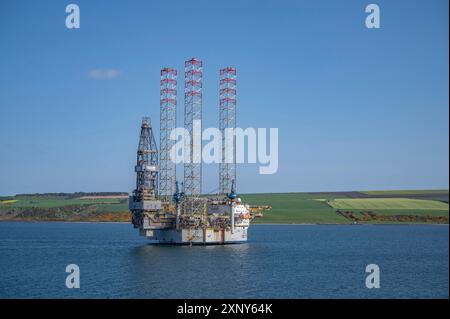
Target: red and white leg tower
(168,123)
(193,98)
(227,125)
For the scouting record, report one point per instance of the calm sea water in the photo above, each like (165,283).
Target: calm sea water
(279,261)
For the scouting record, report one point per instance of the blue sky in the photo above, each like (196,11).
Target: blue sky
(357,109)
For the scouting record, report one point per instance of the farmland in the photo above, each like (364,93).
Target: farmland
(294,208)
(407,192)
(286,208)
(30,201)
(64,208)
(387,204)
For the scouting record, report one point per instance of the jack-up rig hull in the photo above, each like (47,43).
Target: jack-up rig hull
(187,219)
(195,236)
(212,226)
(208,228)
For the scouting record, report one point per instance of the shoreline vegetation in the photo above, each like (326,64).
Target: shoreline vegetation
(401,207)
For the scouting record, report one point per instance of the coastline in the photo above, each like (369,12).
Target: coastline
(252,225)
(332,208)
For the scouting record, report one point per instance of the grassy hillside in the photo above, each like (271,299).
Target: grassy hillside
(387,204)
(294,208)
(48,202)
(291,208)
(66,207)
(407,192)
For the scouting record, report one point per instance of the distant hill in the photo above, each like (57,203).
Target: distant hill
(428,206)
(73,195)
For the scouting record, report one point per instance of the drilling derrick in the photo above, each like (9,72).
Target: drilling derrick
(147,164)
(227,126)
(168,120)
(144,203)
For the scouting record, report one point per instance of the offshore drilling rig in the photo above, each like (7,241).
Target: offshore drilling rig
(160,210)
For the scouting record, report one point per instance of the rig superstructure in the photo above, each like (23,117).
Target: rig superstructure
(160,210)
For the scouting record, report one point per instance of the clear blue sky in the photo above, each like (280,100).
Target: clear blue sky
(357,109)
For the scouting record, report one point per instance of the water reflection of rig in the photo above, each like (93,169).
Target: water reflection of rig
(160,210)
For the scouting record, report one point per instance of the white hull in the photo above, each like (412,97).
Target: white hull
(196,236)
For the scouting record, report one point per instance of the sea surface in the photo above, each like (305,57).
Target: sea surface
(279,261)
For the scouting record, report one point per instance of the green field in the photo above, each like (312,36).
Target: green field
(36,201)
(294,208)
(407,192)
(387,204)
(286,208)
